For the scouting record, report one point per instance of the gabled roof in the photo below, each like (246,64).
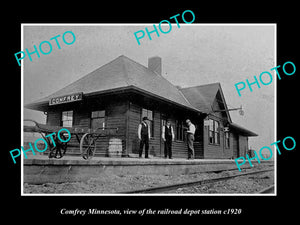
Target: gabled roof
(122,73)
(203,96)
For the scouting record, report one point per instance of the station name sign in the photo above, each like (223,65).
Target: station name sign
(66,99)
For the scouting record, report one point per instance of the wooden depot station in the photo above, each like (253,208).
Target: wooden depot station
(121,92)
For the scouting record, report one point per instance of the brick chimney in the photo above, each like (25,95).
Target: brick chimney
(154,64)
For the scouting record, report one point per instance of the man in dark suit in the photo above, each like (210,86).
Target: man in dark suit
(144,137)
(168,136)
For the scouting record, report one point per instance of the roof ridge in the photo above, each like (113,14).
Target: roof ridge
(214,98)
(209,84)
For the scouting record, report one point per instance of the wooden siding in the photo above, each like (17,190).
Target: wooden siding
(53,118)
(179,148)
(126,116)
(240,145)
(156,146)
(198,144)
(217,151)
(114,118)
(228,152)
(80,119)
(243,145)
(134,119)
(235,145)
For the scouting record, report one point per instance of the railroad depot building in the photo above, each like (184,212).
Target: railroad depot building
(121,92)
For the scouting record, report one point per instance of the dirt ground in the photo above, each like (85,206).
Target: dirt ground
(109,184)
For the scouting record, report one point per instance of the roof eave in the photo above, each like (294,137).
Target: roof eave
(243,131)
(42,105)
(166,100)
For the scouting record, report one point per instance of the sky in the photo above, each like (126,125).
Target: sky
(192,55)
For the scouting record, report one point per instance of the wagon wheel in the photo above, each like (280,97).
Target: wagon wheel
(60,148)
(87,146)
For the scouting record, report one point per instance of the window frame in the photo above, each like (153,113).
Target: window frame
(214,132)
(98,116)
(63,120)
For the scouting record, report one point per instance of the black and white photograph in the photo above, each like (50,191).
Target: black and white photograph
(147,111)
(187,112)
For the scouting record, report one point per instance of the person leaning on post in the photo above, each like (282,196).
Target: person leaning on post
(190,139)
(168,136)
(144,137)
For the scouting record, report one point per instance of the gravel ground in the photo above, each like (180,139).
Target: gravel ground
(109,184)
(112,184)
(245,184)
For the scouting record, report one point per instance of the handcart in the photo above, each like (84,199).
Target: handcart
(86,138)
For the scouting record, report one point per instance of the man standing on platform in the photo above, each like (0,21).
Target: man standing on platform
(144,137)
(190,139)
(168,136)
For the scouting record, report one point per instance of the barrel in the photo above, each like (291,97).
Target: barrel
(115,147)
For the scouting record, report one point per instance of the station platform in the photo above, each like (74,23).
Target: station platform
(40,169)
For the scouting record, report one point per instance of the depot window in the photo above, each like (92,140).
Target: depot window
(98,119)
(67,118)
(214,132)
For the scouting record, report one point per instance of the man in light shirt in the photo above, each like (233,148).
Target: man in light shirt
(168,136)
(190,139)
(144,137)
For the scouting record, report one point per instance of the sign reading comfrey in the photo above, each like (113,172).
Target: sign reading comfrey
(66,99)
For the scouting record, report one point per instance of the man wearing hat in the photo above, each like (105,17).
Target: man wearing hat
(144,137)
(190,139)
(168,137)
